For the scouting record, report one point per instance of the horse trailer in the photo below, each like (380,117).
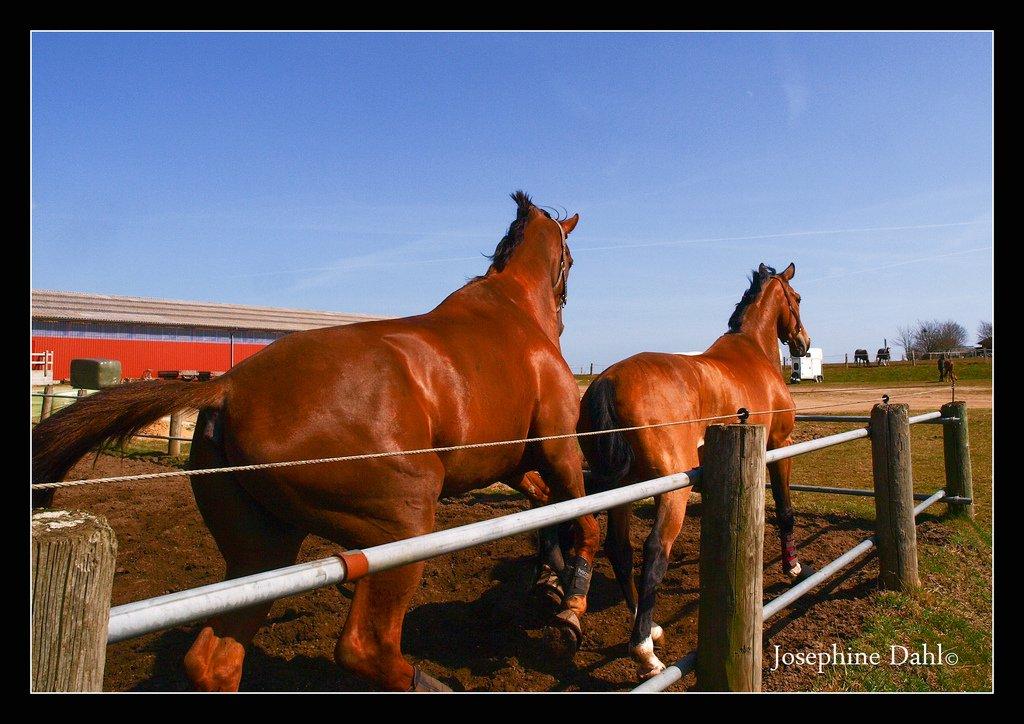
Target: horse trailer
(807,367)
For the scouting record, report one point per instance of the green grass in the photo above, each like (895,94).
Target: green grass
(954,607)
(154,451)
(58,402)
(968,370)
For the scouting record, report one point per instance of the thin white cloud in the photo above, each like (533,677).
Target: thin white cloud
(394,256)
(796,99)
(791,79)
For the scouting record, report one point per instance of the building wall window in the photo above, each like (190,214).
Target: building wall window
(163,333)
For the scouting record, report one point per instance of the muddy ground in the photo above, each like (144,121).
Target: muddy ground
(472,623)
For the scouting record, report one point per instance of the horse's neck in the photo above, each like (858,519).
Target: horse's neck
(498,292)
(528,279)
(760,325)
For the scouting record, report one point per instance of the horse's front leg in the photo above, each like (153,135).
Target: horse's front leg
(779,473)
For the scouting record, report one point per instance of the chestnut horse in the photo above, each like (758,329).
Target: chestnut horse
(741,369)
(484,365)
(946,369)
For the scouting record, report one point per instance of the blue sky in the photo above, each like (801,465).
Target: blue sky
(368,172)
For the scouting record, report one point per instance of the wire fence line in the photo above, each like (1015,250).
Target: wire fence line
(449,448)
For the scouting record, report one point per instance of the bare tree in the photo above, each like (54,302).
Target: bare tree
(905,341)
(938,336)
(984,331)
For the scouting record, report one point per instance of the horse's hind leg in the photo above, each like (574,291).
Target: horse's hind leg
(779,472)
(619,549)
(562,467)
(668,521)
(370,644)
(547,585)
(251,540)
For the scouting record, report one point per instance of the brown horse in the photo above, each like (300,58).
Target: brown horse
(946,369)
(484,365)
(741,369)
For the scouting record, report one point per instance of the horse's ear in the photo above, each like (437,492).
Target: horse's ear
(789,271)
(569,224)
(762,269)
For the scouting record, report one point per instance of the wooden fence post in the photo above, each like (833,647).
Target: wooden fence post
(73,560)
(894,496)
(174,430)
(47,407)
(956,447)
(729,624)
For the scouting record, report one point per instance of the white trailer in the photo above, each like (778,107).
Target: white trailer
(807,367)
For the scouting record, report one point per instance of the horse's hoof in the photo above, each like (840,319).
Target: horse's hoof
(547,596)
(804,572)
(644,673)
(422,681)
(564,635)
(647,664)
(548,599)
(214,663)
(547,590)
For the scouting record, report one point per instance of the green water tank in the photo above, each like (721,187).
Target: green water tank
(95,374)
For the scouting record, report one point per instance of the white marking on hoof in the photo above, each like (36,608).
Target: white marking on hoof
(794,571)
(657,633)
(647,664)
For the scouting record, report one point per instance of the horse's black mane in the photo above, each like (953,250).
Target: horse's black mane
(514,236)
(757,282)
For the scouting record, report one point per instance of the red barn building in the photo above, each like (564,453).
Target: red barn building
(161,334)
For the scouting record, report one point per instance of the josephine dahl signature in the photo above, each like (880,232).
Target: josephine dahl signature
(896,656)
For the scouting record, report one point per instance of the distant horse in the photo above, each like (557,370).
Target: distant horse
(739,370)
(861,356)
(484,365)
(882,357)
(946,369)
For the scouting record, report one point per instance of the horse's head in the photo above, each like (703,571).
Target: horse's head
(791,329)
(536,243)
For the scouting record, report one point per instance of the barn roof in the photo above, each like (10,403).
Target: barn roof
(79,306)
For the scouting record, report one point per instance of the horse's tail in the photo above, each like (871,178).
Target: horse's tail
(610,455)
(111,416)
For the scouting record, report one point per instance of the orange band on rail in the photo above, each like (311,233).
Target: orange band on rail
(356,564)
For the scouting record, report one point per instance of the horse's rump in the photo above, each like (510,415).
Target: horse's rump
(610,456)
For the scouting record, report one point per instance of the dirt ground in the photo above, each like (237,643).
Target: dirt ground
(472,623)
(924,398)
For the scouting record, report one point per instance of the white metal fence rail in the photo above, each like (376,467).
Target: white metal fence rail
(141,617)
(685,665)
(154,614)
